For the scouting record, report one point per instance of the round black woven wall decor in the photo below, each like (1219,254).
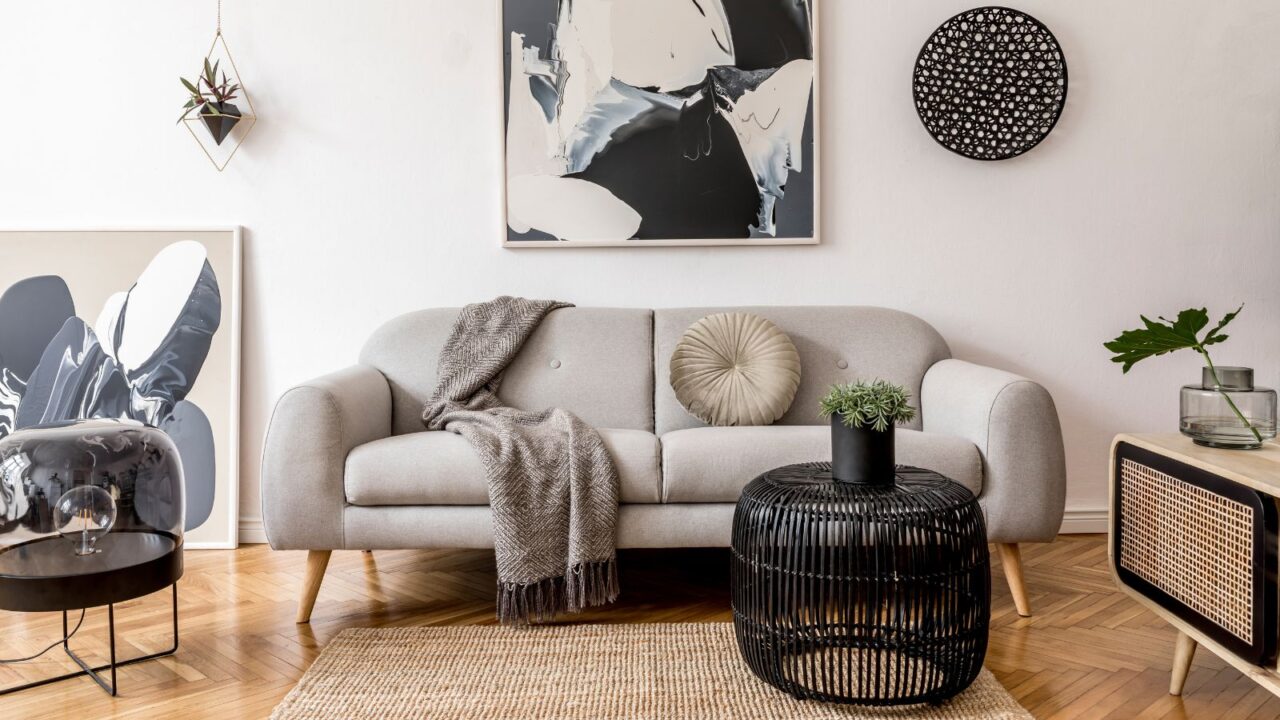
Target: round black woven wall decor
(990,83)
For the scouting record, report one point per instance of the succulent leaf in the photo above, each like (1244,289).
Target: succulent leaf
(877,404)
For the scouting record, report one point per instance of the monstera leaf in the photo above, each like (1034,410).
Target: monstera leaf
(1165,336)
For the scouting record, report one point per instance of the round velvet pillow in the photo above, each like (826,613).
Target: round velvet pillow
(735,369)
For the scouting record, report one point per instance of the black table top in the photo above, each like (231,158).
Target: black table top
(811,486)
(45,574)
(907,479)
(54,556)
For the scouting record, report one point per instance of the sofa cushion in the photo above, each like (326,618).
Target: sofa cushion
(734,369)
(708,465)
(440,468)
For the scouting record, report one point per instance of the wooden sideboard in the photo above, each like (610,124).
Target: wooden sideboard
(1192,537)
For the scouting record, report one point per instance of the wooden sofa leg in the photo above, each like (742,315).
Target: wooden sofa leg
(317,561)
(1011,559)
(1182,656)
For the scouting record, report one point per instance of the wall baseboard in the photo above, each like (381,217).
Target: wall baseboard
(1075,522)
(251,531)
(1082,521)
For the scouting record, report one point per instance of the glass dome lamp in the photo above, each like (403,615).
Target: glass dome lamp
(48,475)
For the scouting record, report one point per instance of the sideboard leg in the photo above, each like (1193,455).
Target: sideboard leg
(1182,655)
(1011,559)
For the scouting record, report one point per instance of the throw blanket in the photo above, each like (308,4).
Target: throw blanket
(553,488)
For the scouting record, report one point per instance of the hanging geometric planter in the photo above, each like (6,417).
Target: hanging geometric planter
(218,112)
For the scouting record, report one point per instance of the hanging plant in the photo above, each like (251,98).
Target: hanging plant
(211,96)
(218,106)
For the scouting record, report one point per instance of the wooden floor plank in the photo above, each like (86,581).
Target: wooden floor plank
(1087,652)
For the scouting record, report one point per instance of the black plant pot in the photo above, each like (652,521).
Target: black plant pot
(860,454)
(220,126)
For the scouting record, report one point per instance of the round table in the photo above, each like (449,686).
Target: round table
(868,594)
(43,575)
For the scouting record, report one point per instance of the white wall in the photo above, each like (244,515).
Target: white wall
(371,186)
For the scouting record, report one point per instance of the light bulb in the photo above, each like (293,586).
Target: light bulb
(82,515)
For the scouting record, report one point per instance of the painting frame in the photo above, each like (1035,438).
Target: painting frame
(815,10)
(221,530)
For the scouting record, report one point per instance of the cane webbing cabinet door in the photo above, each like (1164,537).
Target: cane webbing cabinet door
(1193,536)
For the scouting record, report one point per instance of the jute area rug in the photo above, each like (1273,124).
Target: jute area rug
(595,672)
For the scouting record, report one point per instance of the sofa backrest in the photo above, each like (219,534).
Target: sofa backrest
(611,367)
(594,362)
(836,345)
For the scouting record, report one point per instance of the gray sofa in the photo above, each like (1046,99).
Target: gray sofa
(347,465)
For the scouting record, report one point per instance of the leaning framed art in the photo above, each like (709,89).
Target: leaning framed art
(136,325)
(660,122)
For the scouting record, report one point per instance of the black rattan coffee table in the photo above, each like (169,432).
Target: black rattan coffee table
(876,595)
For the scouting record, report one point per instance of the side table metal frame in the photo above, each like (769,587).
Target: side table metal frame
(93,672)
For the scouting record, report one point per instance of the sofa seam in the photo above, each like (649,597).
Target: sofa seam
(342,439)
(991,413)
(262,462)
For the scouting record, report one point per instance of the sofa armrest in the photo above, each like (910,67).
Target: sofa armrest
(304,455)
(1014,423)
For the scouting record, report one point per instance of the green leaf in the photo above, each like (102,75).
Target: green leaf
(1165,336)
(189,86)
(876,404)
(1135,345)
(1190,322)
(1214,337)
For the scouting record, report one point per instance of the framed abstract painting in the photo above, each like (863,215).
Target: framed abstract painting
(660,122)
(137,325)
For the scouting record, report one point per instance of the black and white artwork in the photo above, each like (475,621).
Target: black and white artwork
(125,332)
(633,122)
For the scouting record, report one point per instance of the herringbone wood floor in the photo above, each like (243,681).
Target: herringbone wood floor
(1087,653)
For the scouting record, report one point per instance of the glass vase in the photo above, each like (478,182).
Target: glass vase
(1214,412)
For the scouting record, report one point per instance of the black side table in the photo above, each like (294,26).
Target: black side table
(43,576)
(876,595)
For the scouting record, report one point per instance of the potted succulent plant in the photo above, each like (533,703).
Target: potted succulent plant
(862,418)
(211,97)
(1225,409)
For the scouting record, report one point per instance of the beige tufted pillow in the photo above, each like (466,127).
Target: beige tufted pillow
(735,369)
